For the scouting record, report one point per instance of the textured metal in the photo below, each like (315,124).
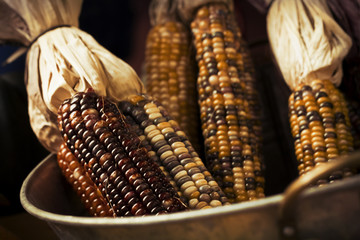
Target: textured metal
(288,213)
(329,212)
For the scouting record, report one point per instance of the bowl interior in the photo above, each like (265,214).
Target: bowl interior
(46,189)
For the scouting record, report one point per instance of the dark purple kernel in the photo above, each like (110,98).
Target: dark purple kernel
(176,169)
(183,180)
(186,161)
(74,107)
(148,198)
(96,148)
(159,144)
(320,94)
(171,165)
(145,123)
(159,120)
(174,139)
(157,209)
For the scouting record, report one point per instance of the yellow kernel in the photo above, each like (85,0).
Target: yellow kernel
(166,154)
(187,185)
(201,182)
(153,116)
(180,150)
(180,174)
(153,133)
(193,202)
(202,205)
(197,176)
(189,191)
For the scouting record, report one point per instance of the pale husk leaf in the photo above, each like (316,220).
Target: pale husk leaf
(187,8)
(306,41)
(62,62)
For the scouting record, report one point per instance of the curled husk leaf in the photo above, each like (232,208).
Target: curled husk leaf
(61,60)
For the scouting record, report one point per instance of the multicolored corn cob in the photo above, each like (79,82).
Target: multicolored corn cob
(169,147)
(95,132)
(320,126)
(134,157)
(229,105)
(170,76)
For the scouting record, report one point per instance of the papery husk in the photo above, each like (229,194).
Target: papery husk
(306,41)
(62,61)
(162,11)
(261,5)
(186,9)
(347,14)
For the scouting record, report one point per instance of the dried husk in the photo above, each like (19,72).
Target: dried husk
(347,14)
(186,9)
(61,61)
(261,5)
(306,41)
(162,11)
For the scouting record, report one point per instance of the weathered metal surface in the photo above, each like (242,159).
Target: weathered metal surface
(329,212)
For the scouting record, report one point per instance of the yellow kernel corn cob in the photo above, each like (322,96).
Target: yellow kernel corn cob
(89,193)
(95,132)
(170,75)
(229,108)
(320,126)
(172,149)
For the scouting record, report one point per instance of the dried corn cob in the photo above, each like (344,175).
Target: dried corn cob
(74,173)
(170,147)
(229,108)
(320,126)
(95,132)
(171,77)
(134,126)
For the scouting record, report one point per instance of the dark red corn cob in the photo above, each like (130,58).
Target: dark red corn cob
(89,193)
(96,133)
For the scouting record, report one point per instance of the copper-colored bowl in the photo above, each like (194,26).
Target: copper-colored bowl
(329,212)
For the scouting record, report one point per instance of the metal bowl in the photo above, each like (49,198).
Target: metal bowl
(329,212)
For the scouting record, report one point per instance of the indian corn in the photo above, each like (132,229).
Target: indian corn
(95,132)
(135,155)
(320,126)
(170,75)
(170,148)
(229,106)
(91,197)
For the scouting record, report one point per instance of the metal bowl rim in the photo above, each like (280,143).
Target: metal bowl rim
(243,207)
(144,220)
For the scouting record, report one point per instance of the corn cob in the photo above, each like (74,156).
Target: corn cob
(320,126)
(170,147)
(171,77)
(229,108)
(134,126)
(90,195)
(95,132)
